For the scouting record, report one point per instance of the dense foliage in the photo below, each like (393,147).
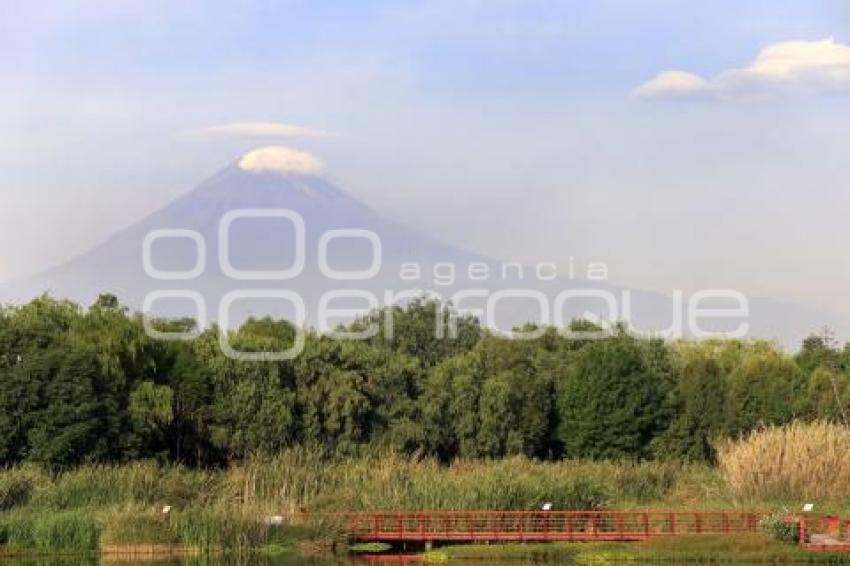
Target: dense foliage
(81,385)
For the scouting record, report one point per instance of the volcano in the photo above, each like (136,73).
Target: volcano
(256,234)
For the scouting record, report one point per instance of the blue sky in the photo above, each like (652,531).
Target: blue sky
(508,127)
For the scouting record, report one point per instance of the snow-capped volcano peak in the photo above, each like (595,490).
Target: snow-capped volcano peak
(280,159)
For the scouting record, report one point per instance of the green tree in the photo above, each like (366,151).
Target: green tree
(767,388)
(819,351)
(614,404)
(255,417)
(497,399)
(72,422)
(450,407)
(828,396)
(425,329)
(498,430)
(190,374)
(700,402)
(253,403)
(351,393)
(151,409)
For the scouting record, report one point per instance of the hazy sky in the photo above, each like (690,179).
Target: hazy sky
(686,144)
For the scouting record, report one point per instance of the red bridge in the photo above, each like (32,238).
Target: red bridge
(425,526)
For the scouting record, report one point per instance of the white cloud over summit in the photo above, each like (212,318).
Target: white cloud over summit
(263,130)
(280,159)
(789,67)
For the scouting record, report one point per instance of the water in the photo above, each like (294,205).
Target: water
(212,561)
(409,560)
(351,560)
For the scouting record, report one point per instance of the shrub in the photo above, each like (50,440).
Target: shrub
(16,486)
(781,528)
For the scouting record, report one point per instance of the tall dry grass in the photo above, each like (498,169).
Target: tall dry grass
(799,461)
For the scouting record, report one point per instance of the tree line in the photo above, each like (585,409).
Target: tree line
(84,385)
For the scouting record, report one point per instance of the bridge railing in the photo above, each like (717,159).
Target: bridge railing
(543,525)
(826,533)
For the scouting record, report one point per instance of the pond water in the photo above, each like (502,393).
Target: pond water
(374,560)
(210,561)
(251,561)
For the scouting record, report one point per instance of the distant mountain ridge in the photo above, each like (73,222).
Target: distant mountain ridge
(268,244)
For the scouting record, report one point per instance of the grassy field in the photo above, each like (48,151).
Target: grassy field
(104,506)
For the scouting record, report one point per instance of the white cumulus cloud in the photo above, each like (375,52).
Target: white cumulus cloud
(789,67)
(262,130)
(280,159)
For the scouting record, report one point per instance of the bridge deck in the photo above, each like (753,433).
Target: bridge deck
(542,525)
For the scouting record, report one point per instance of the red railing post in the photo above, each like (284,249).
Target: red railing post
(521,528)
(802,531)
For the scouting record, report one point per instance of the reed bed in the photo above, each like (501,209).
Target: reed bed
(66,531)
(797,462)
(114,505)
(394,482)
(299,479)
